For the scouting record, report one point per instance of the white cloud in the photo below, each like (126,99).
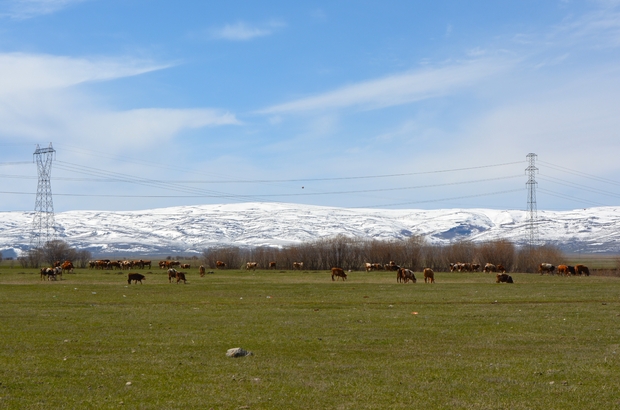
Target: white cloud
(397,89)
(242,31)
(25,9)
(22,72)
(40,100)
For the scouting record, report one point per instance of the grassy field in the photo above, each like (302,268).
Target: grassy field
(92,341)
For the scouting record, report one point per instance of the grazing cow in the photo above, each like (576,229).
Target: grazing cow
(172,273)
(67,266)
(339,273)
(377,266)
(163,264)
(582,269)
(501,269)
(502,277)
(546,268)
(185,266)
(571,270)
(181,277)
(220,265)
(408,275)
(475,267)
(272,265)
(298,265)
(146,263)
(489,267)
(251,265)
(368,266)
(400,276)
(429,275)
(136,277)
(174,263)
(563,270)
(201,270)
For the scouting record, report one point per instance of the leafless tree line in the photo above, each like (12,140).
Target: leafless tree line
(414,253)
(52,251)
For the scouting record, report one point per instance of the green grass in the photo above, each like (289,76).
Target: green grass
(546,342)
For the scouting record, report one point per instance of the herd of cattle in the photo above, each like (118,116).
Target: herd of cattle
(403,275)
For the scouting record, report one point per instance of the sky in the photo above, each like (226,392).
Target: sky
(361,104)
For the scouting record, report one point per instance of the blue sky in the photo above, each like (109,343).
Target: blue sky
(393,104)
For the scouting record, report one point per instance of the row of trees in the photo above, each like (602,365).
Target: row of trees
(413,253)
(53,251)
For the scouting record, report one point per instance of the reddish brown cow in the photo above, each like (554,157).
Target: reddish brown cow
(339,273)
(429,275)
(563,270)
(272,265)
(502,277)
(501,269)
(181,277)
(220,265)
(582,270)
(67,266)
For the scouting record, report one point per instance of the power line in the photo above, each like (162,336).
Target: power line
(570,198)
(580,186)
(444,199)
(582,174)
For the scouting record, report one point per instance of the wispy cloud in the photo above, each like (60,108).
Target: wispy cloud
(22,71)
(241,31)
(396,89)
(40,99)
(25,9)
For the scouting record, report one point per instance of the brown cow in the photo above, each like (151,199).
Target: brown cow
(502,277)
(546,268)
(185,266)
(475,267)
(339,273)
(501,269)
(181,277)
(67,266)
(220,265)
(582,269)
(563,270)
(408,275)
(400,276)
(429,275)
(272,265)
(172,273)
(489,267)
(201,270)
(136,277)
(251,265)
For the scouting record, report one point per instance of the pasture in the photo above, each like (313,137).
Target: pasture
(465,342)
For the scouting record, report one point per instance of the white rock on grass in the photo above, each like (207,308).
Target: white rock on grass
(238,352)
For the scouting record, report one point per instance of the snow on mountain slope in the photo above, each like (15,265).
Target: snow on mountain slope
(190,229)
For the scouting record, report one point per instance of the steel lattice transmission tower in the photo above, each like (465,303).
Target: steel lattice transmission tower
(531,200)
(43,225)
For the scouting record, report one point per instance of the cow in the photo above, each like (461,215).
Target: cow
(400,276)
(563,270)
(185,266)
(571,270)
(251,265)
(546,268)
(582,269)
(339,273)
(489,267)
(136,277)
(429,275)
(146,263)
(272,265)
(503,277)
(48,273)
(298,265)
(377,266)
(220,265)
(174,263)
(172,273)
(368,266)
(408,275)
(163,264)
(181,277)
(201,270)
(392,266)
(475,267)
(501,269)
(67,266)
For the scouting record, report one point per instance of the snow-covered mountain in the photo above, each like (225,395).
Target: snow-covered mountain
(191,229)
